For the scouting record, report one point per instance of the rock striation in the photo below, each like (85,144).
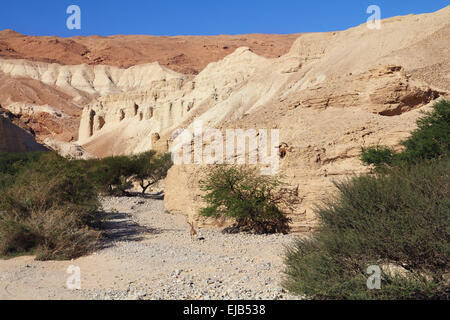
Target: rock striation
(329,96)
(16,137)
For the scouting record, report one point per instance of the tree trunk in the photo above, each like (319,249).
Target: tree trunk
(144,188)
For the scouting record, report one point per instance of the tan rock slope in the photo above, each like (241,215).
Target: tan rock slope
(15,136)
(124,122)
(48,80)
(330,95)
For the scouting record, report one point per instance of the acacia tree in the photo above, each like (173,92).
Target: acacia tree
(149,168)
(256,202)
(112,174)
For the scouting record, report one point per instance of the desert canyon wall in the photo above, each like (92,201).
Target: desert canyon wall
(329,95)
(15,136)
(47,80)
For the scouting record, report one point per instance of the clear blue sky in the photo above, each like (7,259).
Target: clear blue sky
(199,17)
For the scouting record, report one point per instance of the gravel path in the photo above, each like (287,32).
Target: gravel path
(150,255)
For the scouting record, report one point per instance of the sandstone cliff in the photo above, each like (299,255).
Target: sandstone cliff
(330,95)
(14,136)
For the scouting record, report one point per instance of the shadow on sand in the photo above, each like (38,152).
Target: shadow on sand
(118,227)
(154,196)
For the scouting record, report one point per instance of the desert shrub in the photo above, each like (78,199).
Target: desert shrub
(399,218)
(62,235)
(431,140)
(112,175)
(12,163)
(16,237)
(149,168)
(49,207)
(50,182)
(378,156)
(251,199)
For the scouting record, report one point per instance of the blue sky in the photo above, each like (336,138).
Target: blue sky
(199,17)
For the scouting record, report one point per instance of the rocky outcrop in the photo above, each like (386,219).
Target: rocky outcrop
(329,96)
(125,122)
(49,110)
(48,80)
(50,97)
(17,136)
(386,90)
(14,136)
(184,54)
(91,80)
(69,150)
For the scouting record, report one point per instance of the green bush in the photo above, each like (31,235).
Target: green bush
(378,156)
(431,140)
(241,193)
(111,175)
(50,182)
(399,218)
(12,163)
(114,175)
(49,206)
(149,168)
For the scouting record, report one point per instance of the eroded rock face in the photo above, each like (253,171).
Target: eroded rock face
(14,136)
(162,106)
(324,146)
(69,150)
(329,96)
(184,54)
(386,90)
(47,109)
(48,80)
(50,97)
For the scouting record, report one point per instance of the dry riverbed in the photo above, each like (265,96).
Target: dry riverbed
(150,255)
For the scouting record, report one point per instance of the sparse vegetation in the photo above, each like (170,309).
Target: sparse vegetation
(397,219)
(378,156)
(112,175)
(12,163)
(401,219)
(251,199)
(149,168)
(49,205)
(431,140)
(115,175)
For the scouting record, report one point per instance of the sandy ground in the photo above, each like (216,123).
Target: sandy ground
(150,255)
